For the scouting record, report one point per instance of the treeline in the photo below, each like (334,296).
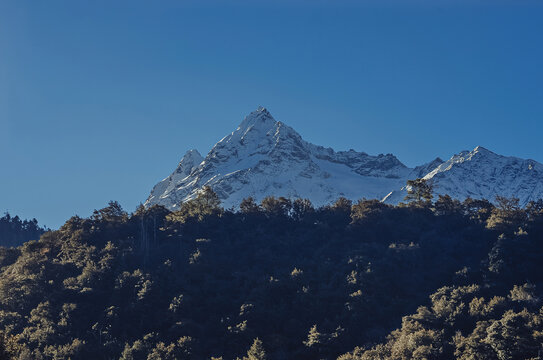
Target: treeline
(280,279)
(14,231)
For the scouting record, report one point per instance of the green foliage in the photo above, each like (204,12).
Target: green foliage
(445,205)
(256,351)
(365,209)
(438,333)
(478,210)
(203,282)
(112,213)
(14,231)
(420,191)
(276,207)
(507,215)
(302,209)
(206,203)
(9,346)
(249,206)
(314,338)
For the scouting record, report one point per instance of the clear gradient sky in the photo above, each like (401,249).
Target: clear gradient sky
(100,99)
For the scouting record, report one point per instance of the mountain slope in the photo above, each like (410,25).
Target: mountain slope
(482,174)
(266,157)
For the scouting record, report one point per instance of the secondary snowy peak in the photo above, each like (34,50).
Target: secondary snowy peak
(461,157)
(422,170)
(481,173)
(191,160)
(484,174)
(166,188)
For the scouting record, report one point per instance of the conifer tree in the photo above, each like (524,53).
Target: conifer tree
(420,191)
(256,351)
(314,337)
(249,206)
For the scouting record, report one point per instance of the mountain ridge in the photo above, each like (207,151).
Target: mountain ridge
(264,157)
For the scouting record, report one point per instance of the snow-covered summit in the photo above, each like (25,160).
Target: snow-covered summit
(483,174)
(264,157)
(258,119)
(191,159)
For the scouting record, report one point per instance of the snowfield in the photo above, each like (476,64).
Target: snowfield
(266,157)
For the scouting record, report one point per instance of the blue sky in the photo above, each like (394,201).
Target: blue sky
(100,99)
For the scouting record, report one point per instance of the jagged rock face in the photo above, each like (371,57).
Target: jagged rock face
(421,170)
(482,174)
(165,192)
(265,157)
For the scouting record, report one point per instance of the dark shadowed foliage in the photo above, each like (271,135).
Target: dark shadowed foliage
(280,280)
(14,231)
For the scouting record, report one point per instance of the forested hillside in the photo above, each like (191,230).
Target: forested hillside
(280,280)
(14,231)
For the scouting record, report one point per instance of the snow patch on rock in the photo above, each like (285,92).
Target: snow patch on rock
(266,157)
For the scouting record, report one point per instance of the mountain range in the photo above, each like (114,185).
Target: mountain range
(266,157)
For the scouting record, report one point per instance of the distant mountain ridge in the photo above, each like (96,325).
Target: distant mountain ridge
(266,157)
(482,174)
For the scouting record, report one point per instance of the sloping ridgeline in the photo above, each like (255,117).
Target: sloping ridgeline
(280,280)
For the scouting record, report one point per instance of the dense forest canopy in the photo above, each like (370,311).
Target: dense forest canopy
(280,279)
(14,231)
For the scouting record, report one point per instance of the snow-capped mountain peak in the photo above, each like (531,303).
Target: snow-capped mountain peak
(258,119)
(191,159)
(483,174)
(264,157)
(479,154)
